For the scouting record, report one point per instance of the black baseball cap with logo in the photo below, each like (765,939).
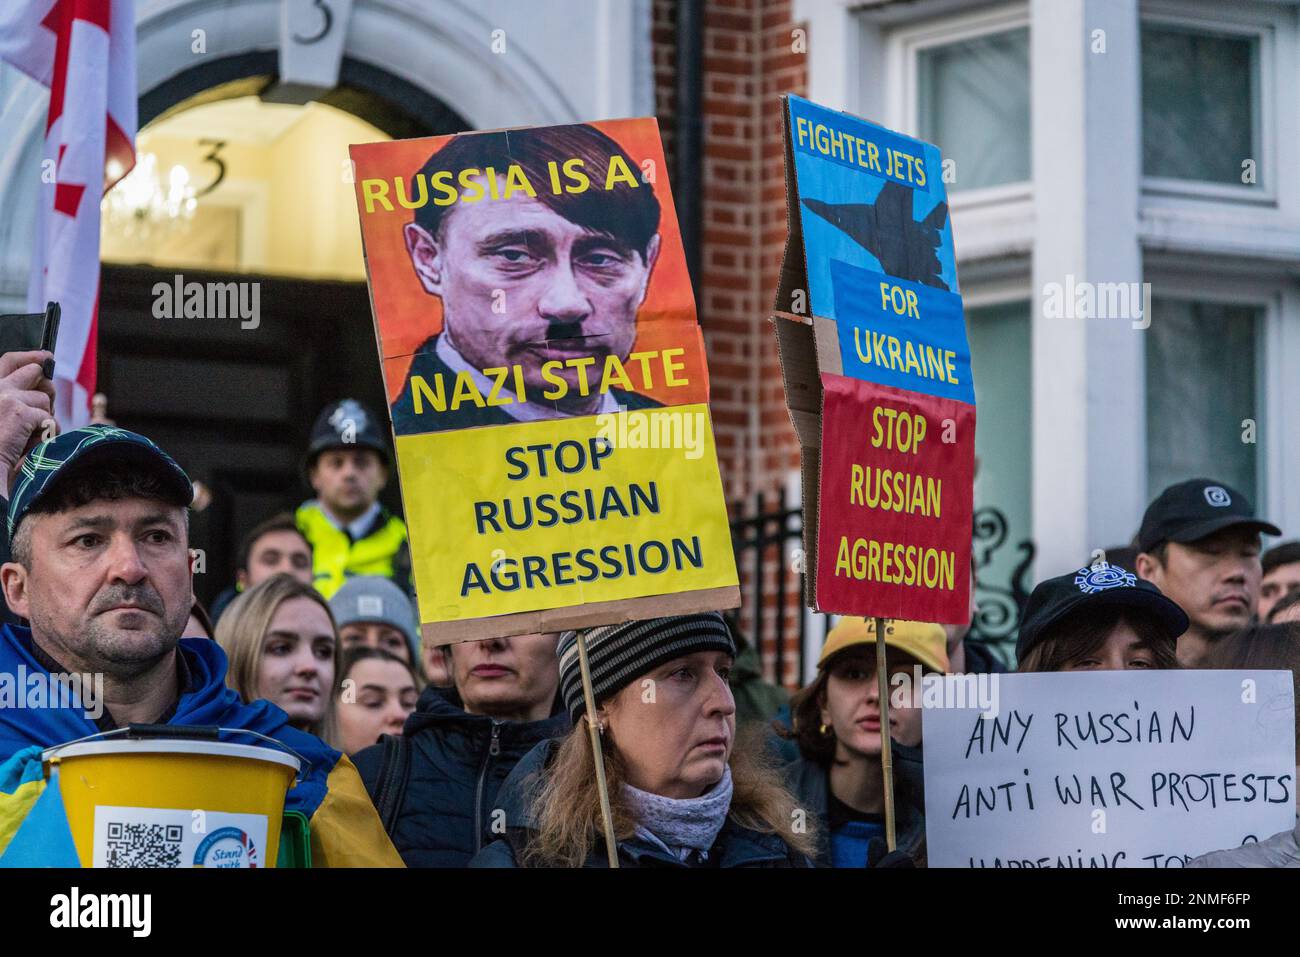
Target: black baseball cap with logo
(1091,589)
(1195,509)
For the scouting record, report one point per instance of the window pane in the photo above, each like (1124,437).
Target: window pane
(1199,114)
(999,343)
(1200,371)
(973,103)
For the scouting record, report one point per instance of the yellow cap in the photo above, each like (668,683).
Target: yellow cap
(925,642)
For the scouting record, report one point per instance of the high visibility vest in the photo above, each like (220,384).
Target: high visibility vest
(336,557)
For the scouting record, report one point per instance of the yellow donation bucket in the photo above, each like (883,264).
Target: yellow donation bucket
(172,803)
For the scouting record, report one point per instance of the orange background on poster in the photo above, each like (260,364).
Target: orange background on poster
(406,315)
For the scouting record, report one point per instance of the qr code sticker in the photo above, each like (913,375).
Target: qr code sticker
(143,845)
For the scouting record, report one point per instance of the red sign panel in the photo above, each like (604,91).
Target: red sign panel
(894,524)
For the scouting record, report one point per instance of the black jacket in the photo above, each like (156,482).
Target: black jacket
(428,364)
(809,781)
(736,846)
(979,660)
(458,762)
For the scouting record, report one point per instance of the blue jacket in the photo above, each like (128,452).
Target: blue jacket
(809,781)
(345,829)
(458,762)
(736,846)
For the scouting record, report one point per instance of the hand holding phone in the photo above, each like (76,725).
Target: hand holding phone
(27,332)
(50,337)
(26,407)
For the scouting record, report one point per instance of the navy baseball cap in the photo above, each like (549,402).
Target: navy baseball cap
(1192,510)
(53,460)
(1092,588)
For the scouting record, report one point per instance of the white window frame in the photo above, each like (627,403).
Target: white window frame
(901,70)
(1183,282)
(1234,21)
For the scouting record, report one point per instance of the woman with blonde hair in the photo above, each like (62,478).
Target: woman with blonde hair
(283,646)
(681,793)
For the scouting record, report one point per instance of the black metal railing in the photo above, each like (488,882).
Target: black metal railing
(768,541)
(998,604)
(762,537)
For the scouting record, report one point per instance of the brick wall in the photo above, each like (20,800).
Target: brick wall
(748,62)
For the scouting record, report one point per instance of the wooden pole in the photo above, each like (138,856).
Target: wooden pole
(886,748)
(606,815)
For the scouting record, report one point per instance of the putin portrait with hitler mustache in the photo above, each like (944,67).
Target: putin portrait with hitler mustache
(540,244)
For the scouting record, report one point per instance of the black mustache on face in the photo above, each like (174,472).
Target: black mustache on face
(565,329)
(142,595)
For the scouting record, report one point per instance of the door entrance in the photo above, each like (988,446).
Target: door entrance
(235,405)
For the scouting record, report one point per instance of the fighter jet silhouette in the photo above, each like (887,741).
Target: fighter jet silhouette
(906,248)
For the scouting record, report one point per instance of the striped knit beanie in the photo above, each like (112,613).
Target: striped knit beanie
(619,654)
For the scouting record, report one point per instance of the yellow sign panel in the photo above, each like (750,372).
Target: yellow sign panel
(546,379)
(571,511)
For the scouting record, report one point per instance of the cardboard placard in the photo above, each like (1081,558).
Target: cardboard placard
(546,378)
(872,341)
(1106,768)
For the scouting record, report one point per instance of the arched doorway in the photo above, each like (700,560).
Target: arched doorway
(230,317)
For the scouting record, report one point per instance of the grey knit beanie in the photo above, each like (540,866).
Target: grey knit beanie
(370,598)
(619,654)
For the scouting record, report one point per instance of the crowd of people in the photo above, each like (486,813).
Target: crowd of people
(479,753)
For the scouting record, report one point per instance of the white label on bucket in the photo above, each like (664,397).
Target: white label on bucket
(172,837)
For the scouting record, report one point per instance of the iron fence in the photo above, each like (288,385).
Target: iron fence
(768,541)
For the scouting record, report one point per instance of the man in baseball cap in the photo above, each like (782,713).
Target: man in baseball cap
(1199,544)
(350,532)
(76,499)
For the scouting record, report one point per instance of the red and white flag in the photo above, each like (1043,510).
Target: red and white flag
(84,51)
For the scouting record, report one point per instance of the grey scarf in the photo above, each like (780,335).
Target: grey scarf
(682,825)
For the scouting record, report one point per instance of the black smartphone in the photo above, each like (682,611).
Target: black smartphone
(25,332)
(50,336)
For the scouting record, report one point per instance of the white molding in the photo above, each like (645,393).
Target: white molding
(1000,290)
(906,42)
(992,232)
(313,65)
(1201,232)
(1279,448)
(892,13)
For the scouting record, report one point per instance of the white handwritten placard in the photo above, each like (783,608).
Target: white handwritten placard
(1109,768)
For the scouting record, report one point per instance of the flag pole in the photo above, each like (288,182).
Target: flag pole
(886,748)
(589,697)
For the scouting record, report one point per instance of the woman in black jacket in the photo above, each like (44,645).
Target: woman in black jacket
(680,793)
(838,778)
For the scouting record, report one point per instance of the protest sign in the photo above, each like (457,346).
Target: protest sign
(1107,768)
(546,378)
(877,372)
